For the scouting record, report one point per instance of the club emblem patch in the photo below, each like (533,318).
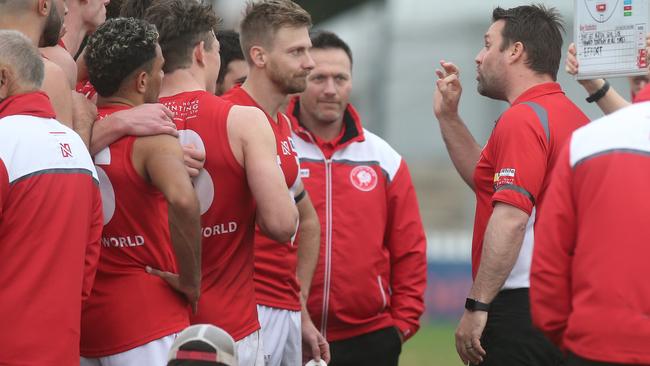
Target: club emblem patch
(363,178)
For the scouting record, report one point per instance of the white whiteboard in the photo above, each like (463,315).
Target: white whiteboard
(610,37)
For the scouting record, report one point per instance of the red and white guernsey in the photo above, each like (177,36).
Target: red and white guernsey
(276,284)
(129,307)
(50,228)
(227,215)
(588,291)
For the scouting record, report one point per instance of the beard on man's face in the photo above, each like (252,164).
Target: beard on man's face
(52,31)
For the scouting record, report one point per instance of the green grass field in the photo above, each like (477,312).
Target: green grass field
(432,345)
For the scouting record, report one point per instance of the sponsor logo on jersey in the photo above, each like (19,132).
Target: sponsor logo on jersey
(504,177)
(363,178)
(507,172)
(304,173)
(184,110)
(219,229)
(122,241)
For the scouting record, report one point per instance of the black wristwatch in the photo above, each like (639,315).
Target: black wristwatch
(475,305)
(599,93)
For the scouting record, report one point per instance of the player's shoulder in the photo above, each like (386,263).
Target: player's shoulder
(374,149)
(626,123)
(62,58)
(246,114)
(528,111)
(379,144)
(525,116)
(52,70)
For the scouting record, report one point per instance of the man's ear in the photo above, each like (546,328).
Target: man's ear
(199,53)
(5,78)
(258,56)
(44,7)
(141,81)
(516,52)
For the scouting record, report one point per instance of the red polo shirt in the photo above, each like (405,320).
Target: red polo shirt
(513,165)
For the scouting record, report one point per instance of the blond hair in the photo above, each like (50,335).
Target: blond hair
(264,18)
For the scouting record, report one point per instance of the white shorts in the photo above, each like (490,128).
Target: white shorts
(154,353)
(282,334)
(250,350)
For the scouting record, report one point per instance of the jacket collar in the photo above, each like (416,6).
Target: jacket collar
(35,104)
(353,130)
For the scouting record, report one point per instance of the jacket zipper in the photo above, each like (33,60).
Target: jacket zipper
(328,245)
(328,237)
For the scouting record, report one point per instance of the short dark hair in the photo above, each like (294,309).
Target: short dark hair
(327,40)
(135,8)
(264,18)
(182,24)
(539,29)
(113,9)
(117,49)
(230,50)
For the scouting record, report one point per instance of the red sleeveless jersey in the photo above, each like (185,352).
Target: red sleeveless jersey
(276,284)
(227,215)
(129,307)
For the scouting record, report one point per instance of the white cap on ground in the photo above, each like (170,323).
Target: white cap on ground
(204,342)
(316,363)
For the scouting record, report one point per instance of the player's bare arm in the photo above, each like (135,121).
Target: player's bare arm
(84,114)
(504,236)
(314,344)
(159,159)
(143,120)
(59,93)
(61,57)
(253,143)
(309,246)
(463,149)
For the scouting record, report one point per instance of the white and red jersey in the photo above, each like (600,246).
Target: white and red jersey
(50,228)
(129,307)
(227,215)
(371,271)
(514,165)
(587,290)
(276,284)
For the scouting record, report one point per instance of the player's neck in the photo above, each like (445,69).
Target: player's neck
(326,131)
(180,81)
(75,33)
(524,81)
(23,24)
(265,93)
(119,99)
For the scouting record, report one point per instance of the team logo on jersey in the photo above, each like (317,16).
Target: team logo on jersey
(286,149)
(66,150)
(363,178)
